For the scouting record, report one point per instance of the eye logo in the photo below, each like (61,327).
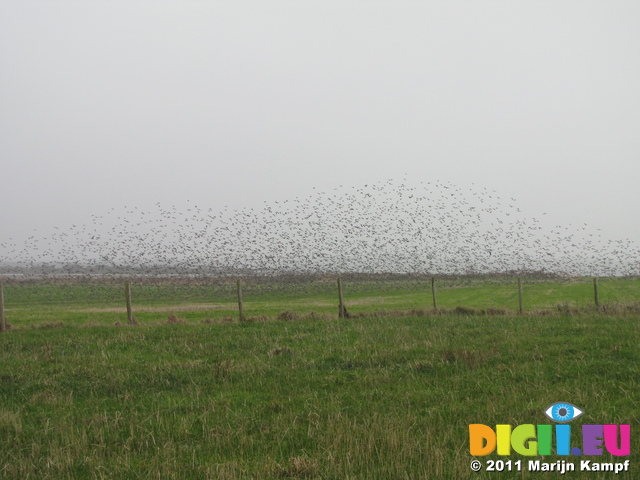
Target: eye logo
(562,412)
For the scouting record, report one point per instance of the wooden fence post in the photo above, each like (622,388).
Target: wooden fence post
(3,318)
(595,292)
(240,309)
(340,300)
(433,292)
(520,309)
(127,294)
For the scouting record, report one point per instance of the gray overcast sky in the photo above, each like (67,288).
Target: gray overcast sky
(117,103)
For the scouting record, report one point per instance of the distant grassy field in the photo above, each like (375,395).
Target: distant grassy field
(382,397)
(99,302)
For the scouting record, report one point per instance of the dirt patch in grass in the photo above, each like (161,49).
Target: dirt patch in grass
(347,301)
(173,319)
(190,307)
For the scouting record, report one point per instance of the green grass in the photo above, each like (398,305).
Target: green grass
(37,303)
(383,397)
(386,395)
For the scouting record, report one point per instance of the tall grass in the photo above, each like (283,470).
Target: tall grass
(382,397)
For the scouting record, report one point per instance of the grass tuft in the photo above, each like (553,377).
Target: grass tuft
(288,316)
(172,319)
(280,351)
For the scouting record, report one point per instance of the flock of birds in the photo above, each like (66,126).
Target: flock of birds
(387,227)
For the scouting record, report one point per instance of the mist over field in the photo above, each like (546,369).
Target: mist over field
(394,226)
(283,239)
(207,104)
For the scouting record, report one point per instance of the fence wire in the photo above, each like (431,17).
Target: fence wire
(102,299)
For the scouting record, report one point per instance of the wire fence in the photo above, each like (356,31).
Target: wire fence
(26,299)
(450,247)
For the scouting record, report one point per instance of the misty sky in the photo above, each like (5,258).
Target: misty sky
(112,103)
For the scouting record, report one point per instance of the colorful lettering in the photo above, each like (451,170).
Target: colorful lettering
(530,440)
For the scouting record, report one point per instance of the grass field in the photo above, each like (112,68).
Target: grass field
(381,396)
(103,303)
